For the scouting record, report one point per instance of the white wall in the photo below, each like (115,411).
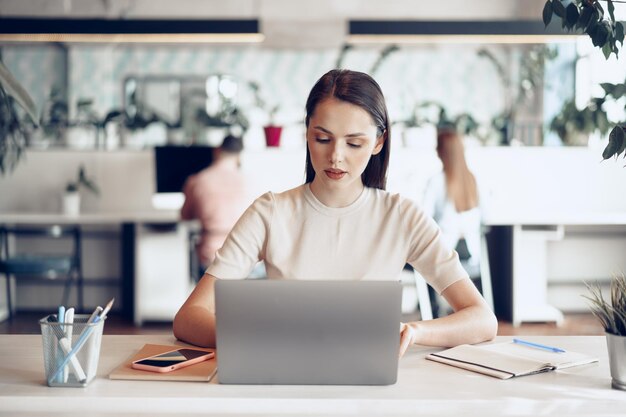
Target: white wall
(522,183)
(538,181)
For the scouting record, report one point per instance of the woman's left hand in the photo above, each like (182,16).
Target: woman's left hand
(407,335)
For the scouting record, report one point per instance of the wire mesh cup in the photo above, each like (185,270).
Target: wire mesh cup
(70,351)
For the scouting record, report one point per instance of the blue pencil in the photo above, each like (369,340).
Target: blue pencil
(538,346)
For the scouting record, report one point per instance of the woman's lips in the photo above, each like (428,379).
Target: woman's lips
(334,174)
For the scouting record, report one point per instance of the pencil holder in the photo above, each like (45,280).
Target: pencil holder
(70,350)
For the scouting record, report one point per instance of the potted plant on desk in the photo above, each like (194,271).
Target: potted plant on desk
(71,198)
(612,315)
(271,130)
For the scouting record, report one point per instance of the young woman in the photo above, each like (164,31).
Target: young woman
(342,225)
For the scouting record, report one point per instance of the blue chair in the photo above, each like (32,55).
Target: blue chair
(36,266)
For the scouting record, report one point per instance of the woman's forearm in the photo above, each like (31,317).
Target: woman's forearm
(195,325)
(473,324)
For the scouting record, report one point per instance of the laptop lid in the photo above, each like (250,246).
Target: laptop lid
(307,332)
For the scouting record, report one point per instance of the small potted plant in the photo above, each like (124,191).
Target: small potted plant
(612,315)
(272,129)
(71,198)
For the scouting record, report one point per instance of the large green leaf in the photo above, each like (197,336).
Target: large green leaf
(616,143)
(585,17)
(571,15)
(558,8)
(547,13)
(619,33)
(611,8)
(15,90)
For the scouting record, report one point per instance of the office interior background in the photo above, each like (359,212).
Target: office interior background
(554,213)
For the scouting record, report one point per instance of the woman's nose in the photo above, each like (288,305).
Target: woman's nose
(336,153)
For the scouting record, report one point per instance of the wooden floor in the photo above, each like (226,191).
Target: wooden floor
(575,324)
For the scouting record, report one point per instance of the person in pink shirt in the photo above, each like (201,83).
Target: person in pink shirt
(217,196)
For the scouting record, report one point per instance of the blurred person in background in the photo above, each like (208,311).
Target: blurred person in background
(217,196)
(453,200)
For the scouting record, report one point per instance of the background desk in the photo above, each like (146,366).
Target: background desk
(423,388)
(563,249)
(154,257)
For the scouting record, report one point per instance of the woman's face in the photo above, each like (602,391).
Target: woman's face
(341,138)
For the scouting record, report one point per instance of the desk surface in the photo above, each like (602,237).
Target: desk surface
(423,388)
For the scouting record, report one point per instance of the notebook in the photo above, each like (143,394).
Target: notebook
(508,360)
(202,372)
(307,332)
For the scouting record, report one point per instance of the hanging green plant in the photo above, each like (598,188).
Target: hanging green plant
(588,16)
(13,134)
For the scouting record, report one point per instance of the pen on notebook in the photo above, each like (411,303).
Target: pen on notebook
(82,339)
(538,346)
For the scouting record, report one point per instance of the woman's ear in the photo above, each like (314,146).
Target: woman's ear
(380,141)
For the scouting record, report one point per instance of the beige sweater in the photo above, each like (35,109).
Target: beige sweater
(372,239)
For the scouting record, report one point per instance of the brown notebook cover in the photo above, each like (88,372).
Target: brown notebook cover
(202,372)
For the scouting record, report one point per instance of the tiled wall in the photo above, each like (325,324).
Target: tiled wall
(452,74)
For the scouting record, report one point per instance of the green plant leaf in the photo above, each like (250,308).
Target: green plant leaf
(607,50)
(619,91)
(623,147)
(15,90)
(585,17)
(611,8)
(600,36)
(616,143)
(599,8)
(571,15)
(558,8)
(619,33)
(608,88)
(547,13)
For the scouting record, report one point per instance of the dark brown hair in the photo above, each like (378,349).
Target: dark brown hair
(361,90)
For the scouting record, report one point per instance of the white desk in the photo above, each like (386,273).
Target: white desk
(144,295)
(532,233)
(423,388)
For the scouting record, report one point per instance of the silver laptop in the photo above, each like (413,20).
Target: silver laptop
(307,332)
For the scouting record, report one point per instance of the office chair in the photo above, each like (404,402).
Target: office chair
(480,276)
(37,266)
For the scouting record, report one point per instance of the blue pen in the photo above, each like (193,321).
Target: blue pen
(538,346)
(61,319)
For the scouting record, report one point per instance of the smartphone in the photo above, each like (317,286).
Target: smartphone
(172,360)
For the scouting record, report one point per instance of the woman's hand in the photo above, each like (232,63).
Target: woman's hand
(407,336)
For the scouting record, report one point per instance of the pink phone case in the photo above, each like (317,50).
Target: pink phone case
(135,365)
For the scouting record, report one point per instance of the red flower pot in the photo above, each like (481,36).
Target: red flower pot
(272,135)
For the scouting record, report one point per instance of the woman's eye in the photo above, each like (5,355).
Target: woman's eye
(322,140)
(354,145)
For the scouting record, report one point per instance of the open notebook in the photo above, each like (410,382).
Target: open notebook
(507,360)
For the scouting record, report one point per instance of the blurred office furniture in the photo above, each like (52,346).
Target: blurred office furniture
(480,276)
(64,264)
(172,165)
(163,277)
(423,299)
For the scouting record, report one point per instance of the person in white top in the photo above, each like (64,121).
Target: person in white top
(452,199)
(341,224)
